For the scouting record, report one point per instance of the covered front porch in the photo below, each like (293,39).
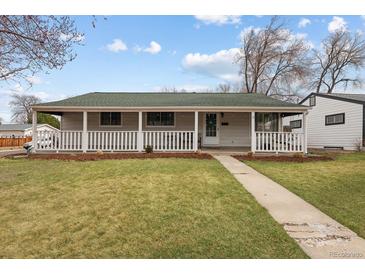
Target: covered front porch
(169,131)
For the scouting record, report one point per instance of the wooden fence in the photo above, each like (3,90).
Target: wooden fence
(14,141)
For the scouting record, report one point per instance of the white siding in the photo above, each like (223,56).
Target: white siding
(344,135)
(28,132)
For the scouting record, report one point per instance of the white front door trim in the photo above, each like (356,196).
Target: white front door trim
(210,140)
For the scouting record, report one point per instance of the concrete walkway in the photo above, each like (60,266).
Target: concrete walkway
(4,153)
(317,234)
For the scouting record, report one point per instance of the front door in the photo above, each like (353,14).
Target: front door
(211,128)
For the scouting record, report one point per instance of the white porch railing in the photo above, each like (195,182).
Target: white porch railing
(115,140)
(169,140)
(279,142)
(59,140)
(112,140)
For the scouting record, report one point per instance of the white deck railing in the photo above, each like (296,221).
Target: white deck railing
(112,140)
(279,142)
(159,140)
(169,140)
(59,140)
(115,140)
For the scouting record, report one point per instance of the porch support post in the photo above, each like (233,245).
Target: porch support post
(84,132)
(305,132)
(280,122)
(196,128)
(253,133)
(140,133)
(34,130)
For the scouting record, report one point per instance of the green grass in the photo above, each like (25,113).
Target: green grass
(335,187)
(155,208)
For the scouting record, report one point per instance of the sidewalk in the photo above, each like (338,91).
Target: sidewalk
(317,234)
(4,153)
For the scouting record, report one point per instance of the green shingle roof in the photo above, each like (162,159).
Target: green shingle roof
(154,99)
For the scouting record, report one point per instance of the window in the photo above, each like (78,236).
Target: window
(295,124)
(335,119)
(163,119)
(211,124)
(266,121)
(110,118)
(312,101)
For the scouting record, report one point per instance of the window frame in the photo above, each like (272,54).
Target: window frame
(312,97)
(333,115)
(155,126)
(298,120)
(121,119)
(274,115)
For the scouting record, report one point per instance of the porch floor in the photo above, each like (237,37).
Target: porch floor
(225,150)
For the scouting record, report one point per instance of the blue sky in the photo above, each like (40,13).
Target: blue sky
(145,53)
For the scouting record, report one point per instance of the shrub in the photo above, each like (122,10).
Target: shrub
(148,149)
(250,154)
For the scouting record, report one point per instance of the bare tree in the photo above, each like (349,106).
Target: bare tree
(273,57)
(21,105)
(169,89)
(342,54)
(29,44)
(1,120)
(229,87)
(225,88)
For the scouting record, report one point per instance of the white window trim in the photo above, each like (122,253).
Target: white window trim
(297,120)
(109,126)
(334,119)
(164,126)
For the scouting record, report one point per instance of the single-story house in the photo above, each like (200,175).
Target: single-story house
(130,121)
(335,120)
(22,130)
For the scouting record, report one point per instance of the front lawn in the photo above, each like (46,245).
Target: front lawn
(335,187)
(154,208)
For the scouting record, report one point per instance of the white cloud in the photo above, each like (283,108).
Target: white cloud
(34,80)
(154,48)
(117,46)
(219,20)
(218,65)
(337,24)
(304,22)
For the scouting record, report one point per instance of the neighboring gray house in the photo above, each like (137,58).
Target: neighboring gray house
(22,130)
(125,121)
(335,120)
